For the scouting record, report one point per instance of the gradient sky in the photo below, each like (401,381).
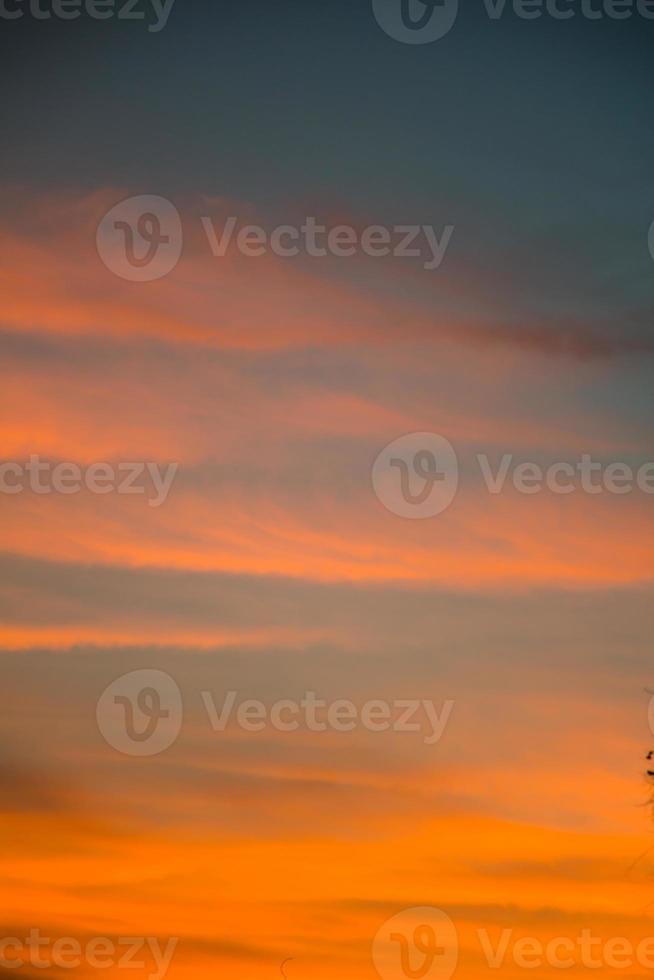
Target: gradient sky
(272,568)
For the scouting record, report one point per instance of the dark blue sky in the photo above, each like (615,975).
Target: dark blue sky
(534,138)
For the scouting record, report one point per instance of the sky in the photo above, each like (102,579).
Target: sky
(278,412)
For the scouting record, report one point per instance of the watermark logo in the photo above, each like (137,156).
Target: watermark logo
(417,475)
(424,21)
(141,238)
(422,944)
(416,21)
(141,713)
(416,944)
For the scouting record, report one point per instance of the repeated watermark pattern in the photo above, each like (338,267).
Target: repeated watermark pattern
(417,475)
(155,12)
(141,714)
(42,477)
(424,943)
(97,953)
(141,239)
(425,21)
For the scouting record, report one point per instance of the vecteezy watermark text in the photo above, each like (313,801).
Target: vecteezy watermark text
(342,715)
(99,953)
(586,474)
(425,21)
(342,241)
(417,475)
(564,952)
(42,477)
(141,239)
(96,9)
(141,714)
(424,942)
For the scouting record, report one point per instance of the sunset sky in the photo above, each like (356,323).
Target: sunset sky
(273,568)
